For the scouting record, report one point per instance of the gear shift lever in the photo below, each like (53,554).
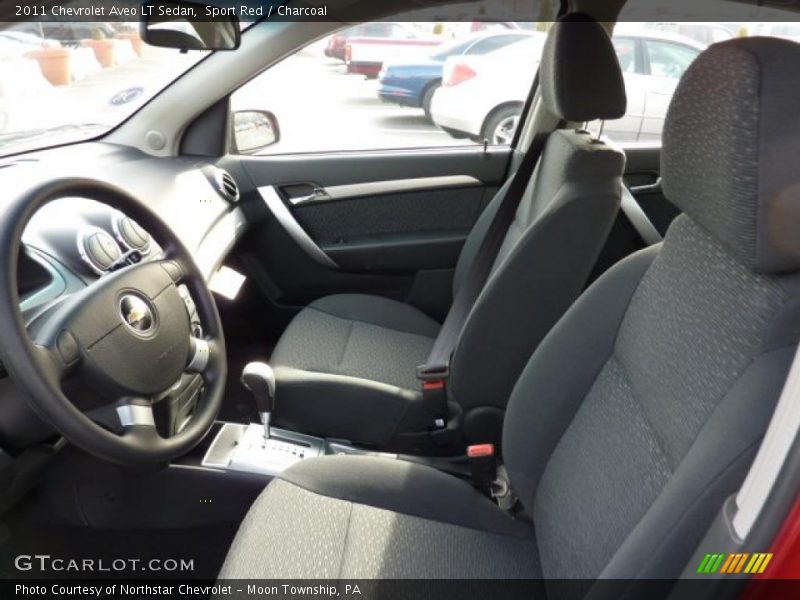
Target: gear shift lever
(260,380)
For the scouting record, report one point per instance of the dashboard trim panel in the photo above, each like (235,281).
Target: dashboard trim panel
(56,287)
(219,241)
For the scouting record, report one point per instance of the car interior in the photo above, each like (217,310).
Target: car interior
(568,361)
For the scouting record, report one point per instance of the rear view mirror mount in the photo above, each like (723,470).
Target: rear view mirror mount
(186,25)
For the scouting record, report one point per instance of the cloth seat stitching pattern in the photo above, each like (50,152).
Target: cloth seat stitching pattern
(346,540)
(354,320)
(320,493)
(645,417)
(347,339)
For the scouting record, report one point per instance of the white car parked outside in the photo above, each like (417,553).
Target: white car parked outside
(481,97)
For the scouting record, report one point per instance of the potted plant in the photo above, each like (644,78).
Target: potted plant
(132,35)
(102,46)
(55,63)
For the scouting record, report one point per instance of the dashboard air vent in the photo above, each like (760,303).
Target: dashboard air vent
(98,249)
(130,234)
(226,185)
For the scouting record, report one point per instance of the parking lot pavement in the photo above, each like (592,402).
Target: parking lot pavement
(320,107)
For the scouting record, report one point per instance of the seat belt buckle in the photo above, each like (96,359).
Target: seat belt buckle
(434,392)
(483,465)
(433,372)
(434,395)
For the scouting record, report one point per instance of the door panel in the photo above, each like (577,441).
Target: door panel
(341,221)
(343,168)
(363,231)
(390,223)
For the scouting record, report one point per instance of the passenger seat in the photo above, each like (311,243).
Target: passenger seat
(346,365)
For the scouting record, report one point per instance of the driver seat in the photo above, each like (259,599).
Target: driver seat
(639,413)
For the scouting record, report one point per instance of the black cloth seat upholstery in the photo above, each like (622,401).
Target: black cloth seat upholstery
(640,412)
(347,363)
(345,367)
(369,518)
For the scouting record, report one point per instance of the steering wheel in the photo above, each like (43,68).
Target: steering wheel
(127,337)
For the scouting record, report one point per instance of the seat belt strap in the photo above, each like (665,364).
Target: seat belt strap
(437,365)
(638,218)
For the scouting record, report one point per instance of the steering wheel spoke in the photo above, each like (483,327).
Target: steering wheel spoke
(135,413)
(56,361)
(142,435)
(123,415)
(199,356)
(176,269)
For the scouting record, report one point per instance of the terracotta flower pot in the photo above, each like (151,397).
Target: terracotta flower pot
(55,64)
(103,50)
(135,39)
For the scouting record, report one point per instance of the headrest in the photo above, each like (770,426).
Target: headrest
(579,74)
(731,149)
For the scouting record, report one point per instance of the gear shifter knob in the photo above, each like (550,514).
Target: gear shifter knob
(260,380)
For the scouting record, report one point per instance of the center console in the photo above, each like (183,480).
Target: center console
(244,448)
(239,447)
(247,450)
(258,450)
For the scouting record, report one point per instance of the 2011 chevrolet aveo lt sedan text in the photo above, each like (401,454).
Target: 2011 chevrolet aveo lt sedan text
(264,333)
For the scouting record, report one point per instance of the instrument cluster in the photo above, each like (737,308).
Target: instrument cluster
(90,239)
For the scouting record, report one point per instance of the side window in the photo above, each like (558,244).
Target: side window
(626,54)
(669,60)
(445,51)
(396,86)
(484,26)
(375,30)
(398,31)
(789,31)
(720,35)
(493,42)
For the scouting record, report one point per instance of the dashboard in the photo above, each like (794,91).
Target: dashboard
(71,243)
(74,241)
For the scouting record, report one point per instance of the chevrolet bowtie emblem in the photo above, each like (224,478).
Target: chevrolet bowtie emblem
(136,313)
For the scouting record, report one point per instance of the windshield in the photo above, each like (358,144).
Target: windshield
(65,82)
